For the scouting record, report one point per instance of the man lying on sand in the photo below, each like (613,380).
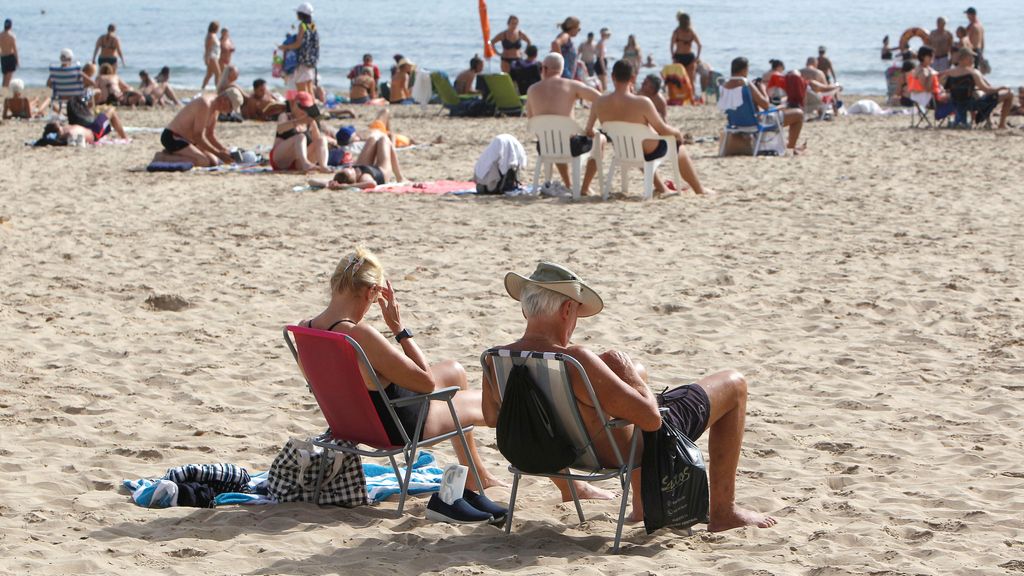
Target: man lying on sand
(261,104)
(100,127)
(624,106)
(553,298)
(557,96)
(190,137)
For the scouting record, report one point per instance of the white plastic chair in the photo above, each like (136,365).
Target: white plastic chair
(627,141)
(553,134)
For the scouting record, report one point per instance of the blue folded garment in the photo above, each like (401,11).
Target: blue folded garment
(169,167)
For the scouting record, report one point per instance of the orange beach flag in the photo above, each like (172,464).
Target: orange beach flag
(485,28)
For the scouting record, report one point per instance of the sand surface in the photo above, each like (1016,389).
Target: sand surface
(870,291)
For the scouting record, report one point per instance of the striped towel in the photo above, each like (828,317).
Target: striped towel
(382,483)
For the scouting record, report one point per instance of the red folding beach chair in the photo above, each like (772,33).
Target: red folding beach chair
(330,363)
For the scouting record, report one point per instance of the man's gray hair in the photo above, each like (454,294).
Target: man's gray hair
(554,61)
(539,301)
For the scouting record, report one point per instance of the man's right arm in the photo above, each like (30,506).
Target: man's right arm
(490,401)
(629,400)
(584,92)
(654,120)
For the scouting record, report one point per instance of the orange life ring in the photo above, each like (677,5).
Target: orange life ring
(910,33)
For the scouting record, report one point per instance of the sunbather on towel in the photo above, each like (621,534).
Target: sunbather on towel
(553,298)
(357,283)
(100,127)
(191,137)
(377,163)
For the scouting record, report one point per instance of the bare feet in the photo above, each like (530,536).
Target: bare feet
(737,518)
(707,192)
(635,516)
(800,150)
(586,491)
(488,480)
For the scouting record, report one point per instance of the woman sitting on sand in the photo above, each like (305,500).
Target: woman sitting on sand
(357,283)
(114,90)
(163,82)
(19,106)
(299,145)
(377,163)
(155,93)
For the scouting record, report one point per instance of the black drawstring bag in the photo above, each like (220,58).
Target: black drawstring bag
(673,481)
(529,436)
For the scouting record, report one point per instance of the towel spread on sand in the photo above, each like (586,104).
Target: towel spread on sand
(163,492)
(381,481)
(436,187)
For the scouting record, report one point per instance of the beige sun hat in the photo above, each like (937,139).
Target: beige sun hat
(558,279)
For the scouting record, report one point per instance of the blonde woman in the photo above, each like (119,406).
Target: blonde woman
(357,284)
(211,55)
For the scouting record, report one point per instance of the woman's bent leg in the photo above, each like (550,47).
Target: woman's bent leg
(468,407)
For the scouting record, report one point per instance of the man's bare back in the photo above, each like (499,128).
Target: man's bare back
(8,43)
(809,73)
(557,96)
(194,119)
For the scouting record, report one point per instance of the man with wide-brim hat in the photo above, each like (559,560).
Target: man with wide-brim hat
(553,298)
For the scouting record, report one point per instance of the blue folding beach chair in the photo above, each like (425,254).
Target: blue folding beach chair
(746,119)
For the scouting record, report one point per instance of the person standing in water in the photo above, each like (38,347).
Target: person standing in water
(108,47)
(211,55)
(227,49)
(307,43)
(511,39)
(683,39)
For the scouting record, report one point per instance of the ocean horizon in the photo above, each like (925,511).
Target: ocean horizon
(448,34)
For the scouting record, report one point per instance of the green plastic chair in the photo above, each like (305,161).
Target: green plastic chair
(446,92)
(504,94)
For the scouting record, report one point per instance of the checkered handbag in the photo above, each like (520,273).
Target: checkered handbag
(293,474)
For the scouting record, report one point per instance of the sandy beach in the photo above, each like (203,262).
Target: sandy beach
(870,291)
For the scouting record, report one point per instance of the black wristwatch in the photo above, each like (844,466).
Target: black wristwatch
(405,333)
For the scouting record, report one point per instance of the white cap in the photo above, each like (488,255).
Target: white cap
(17,86)
(67,54)
(305,8)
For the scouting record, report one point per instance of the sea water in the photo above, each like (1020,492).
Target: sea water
(445,34)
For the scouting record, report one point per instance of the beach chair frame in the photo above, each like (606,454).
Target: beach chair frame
(503,93)
(554,135)
(346,405)
(627,140)
(63,90)
(550,372)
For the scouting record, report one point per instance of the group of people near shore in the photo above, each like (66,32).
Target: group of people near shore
(949,72)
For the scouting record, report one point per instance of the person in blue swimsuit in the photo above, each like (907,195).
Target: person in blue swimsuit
(357,284)
(512,42)
(564,46)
